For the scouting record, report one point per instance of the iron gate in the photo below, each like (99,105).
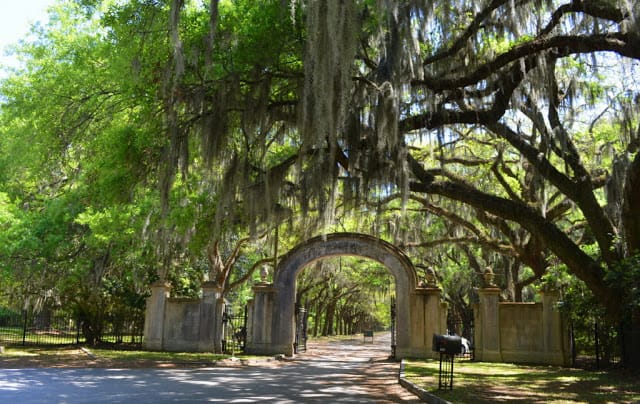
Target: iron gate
(234,336)
(393,326)
(300,344)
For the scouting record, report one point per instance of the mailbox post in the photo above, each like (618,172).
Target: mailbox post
(448,346)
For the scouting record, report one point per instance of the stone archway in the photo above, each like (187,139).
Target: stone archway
(419,312)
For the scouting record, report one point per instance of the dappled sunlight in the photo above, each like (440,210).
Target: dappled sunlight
(502,382)
(16,380)
(11,386)
(349,348)
(346,370)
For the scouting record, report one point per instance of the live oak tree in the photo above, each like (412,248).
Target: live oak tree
(525,113)
(71,165)
(378,79)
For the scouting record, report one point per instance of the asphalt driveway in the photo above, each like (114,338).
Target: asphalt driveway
(341,371)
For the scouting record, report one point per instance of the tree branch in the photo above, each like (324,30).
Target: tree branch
(563,45)
(246,276)
(581,264)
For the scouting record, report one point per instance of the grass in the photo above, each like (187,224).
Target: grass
(75,356)
(504,382)
(178,357)
(15,335)
(139,355)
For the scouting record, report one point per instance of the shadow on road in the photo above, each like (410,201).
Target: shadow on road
(331,371)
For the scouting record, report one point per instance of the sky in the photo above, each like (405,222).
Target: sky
(15,20)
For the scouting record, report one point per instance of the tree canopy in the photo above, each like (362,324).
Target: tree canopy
(506,129)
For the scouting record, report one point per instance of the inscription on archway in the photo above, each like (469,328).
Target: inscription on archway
(419,312)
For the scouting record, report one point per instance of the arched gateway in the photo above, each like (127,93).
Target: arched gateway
(419,312)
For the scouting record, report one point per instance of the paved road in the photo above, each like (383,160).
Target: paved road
(349,371)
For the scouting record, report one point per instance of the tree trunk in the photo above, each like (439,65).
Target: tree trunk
(631,207)
(329,319)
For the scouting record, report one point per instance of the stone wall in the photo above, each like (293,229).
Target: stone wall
(194,325)
(181,325)
(520,332)
(185,325)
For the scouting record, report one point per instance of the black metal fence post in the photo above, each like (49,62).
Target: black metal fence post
(597,342)
(445,375)
(78,331)
(572,341)
(393,327)
(24,327)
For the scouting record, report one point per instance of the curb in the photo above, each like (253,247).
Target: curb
(417,390)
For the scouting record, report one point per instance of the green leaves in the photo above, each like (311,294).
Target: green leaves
(121,159)
(625,277)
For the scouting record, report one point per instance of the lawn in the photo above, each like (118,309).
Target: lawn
(75,356)
(9,335)
(504,382)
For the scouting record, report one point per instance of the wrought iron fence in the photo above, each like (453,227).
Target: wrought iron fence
(43,328)
(302,317)
(464,330)
(595,344)
(235,330)
(58,327)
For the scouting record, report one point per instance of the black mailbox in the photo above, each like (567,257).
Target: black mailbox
(447,344)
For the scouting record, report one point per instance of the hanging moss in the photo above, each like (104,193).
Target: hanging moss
(332,29)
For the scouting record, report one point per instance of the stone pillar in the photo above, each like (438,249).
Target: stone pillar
(487,326)
(154,316)
(555,339)
(260,320)
(210,327)
(428,317)
(476,338)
